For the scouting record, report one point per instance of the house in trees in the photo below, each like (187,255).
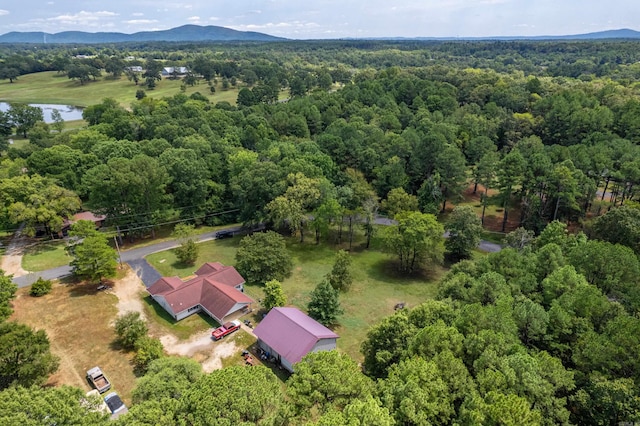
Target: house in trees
(288,334)
(215,289)
(97,219)
(174,71)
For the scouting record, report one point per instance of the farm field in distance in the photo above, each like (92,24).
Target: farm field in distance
(55,88)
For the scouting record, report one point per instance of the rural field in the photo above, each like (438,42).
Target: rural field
(79,319)
(375,283)
(54,88)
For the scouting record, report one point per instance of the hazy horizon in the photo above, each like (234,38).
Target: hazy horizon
(327,19)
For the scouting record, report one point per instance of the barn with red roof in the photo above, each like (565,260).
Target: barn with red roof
(216,289)
(288,334)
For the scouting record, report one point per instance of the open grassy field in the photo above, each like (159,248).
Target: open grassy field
(45,255)
(51,87)
(77,320)
(161,323)
(375,290)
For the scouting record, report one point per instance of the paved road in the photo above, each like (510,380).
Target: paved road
(149,275)
(134,257)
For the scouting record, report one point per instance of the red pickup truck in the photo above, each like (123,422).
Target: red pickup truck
(226,328)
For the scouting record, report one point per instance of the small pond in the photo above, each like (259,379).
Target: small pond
(68,112)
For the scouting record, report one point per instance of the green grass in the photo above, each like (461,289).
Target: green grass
(375,290)
(163,233)
(161,322)
(223,251)
(43,256)
(53,88)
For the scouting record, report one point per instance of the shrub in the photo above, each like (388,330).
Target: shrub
(40,288)
(130,328)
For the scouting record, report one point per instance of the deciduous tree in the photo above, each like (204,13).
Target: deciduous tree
(465,230)
(262,257)
(187,252)
(416,240)
(273,295)
(7,294)
(25,358)
(130,328)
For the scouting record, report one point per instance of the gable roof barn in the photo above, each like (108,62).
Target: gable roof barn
(292,334)
(216,289)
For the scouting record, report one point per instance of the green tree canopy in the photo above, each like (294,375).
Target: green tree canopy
(94,259)
(324,305)
(326,380)
(130,328)
(233,396)
(465,230)
(25,358)
(65,405)
(273,295)
(416,240)
(262,257)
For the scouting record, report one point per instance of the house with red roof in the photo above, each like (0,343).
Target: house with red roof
(287,334)
(216,289)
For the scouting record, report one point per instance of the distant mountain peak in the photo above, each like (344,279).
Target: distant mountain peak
(183,33)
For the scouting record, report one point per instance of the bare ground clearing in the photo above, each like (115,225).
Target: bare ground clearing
(79,322)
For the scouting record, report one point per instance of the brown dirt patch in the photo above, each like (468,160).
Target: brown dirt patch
(130,291)
(77,320)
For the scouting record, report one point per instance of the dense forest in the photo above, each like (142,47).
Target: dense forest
(331,133)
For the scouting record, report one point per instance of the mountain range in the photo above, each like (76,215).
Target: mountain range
(188,33)
(183,33)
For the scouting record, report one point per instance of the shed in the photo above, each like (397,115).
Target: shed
(288,334)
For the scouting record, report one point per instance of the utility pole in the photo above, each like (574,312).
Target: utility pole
(115,240)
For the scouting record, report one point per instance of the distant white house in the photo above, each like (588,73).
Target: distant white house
(171,71)
(135,68)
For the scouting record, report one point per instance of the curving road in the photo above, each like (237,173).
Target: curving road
(136,258)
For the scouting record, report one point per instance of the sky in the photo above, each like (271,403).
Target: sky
(327,19)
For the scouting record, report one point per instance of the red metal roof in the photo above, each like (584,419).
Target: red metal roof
(88,216)
(214,291)
(291,333)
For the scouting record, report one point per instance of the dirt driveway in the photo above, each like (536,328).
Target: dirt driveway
(200,347)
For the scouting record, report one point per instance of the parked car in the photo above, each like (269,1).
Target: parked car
(224,234)
(225,329)
(115,404)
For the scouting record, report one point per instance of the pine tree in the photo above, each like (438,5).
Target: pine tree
(340,276)
(324,306)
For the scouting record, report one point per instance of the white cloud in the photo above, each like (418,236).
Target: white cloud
(141,21)
(3,12)
(137,14)
(82,17)
(279,25)
(193,19)
(214,18)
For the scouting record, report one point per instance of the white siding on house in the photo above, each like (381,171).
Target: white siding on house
(324,345)
(163,302)
(188,312)
(283,361)
(286,364)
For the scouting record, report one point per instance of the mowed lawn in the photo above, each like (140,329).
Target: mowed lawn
(376,288)
(45,255)
(54,88)
(78,320)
